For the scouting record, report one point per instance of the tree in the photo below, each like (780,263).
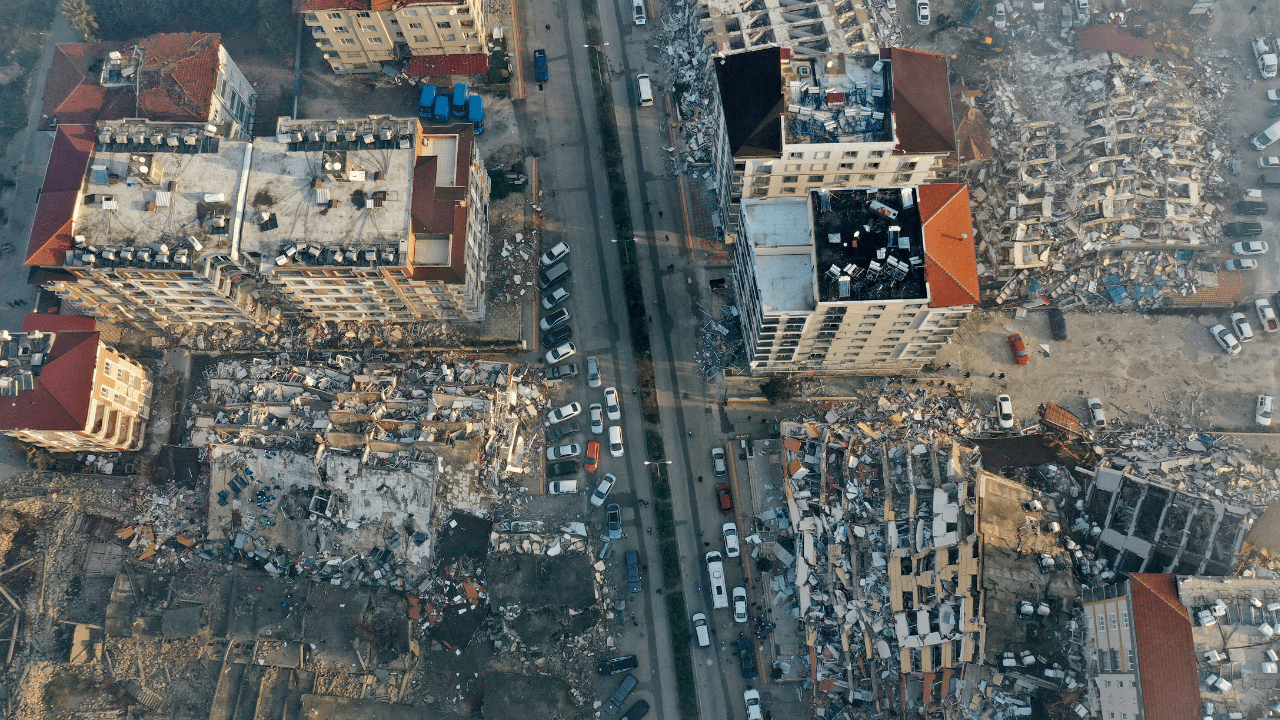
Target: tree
(81,17)
(779,388)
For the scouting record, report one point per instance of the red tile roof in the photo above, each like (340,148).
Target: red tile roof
(1109,38)
(921,102)
(320,5)
(1166,651)
(72,94)
(950,262)
(52,233)
(59,399)
(441,210)
(438,65)
(56,323)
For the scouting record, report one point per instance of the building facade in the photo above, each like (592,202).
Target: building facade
(67,391)
(855,281)
(357,36)
(1108,614)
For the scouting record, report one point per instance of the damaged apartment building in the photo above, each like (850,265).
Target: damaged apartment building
(167,224)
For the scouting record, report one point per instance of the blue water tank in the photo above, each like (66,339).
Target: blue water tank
(460,99)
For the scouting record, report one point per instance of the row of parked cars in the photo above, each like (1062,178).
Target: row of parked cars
(1241,331)
(1004,412)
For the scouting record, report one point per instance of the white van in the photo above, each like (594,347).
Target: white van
(639,11)
(646,90)
(700,630)
(715,571)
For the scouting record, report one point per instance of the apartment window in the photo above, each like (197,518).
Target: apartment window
(846,166)
(868,177)
(341,29)
(851,153)
(1133,660)
(324,42)
(362,14)
(399,34)
(467,23)
(790,178)
(821,155)
(852,354)
(882,354)
(440,11)
(375,40)
(842,178)
(815,178)
(896,332)
(448,36)
(871,324)
(395,21)
(1124,619)
(1104,661)
(410,13)
(873,166)
(419,38)
(862,332)
(1115,660)
(1119,683)
(914,307)
(464,11)
(886,347)
(347,41)
(1102,623)
(902,324)
(879,307)
(445,24)
(334,16)
(415,26)
(369,28)
(797,156)
(818,167)
(1112,617)
(907,167)
(876,153)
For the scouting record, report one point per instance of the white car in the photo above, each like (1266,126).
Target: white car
(554,298)
(554,319)
(593,372)
(752,698)
(1269,162)
(731,547)
(1240,264)
(615,441)
(562,487)
(922,12)
(552,256)
(1249,247)
(1266,315)
(597,419)
(740,604)
(561,414)
(1000,20)
(1097,413)
(564,451)
(1004,408)
(1262,415)
(1225,339)
(557,354)
(602,490)
(1240,326)
(611,407)
(717,462)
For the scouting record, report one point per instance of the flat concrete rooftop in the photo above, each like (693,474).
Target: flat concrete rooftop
(781,236)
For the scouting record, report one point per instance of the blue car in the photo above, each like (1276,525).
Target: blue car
(540,66)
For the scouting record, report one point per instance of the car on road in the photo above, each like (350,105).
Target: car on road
(1058,324)
(611,407)
(1240,326)
(633,571)
(715,573)
(1019,349)
(1000,18)
(701,629)
(1004,410)
(1274,96)
(740,604)
(555,254)
(1250,247)
(617,665)
(593,457)
(1262,412)
(1266,315)
(602,490)
(724,499)
(613,521)
(1274,110)
(562,487)
(556,336)
(751,697)
(1225,339)
(1269,162)
(597,422)
(639,12)
(615,441)
(554,319)
(593,372)
(718,467)
(731,546)
(554,298)
(922,12)
(560,353)
(1238,264)
(1251,207)
(561,414)
(747,656)
(560,372)
(563,452)
(1097,414)
(1242,228)
(637,711)
(560,431)
(540,73)
(619,696)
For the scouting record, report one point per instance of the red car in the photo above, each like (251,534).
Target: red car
(726,500)
(593,457)
(1020,355)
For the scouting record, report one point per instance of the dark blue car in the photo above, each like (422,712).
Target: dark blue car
(540,66)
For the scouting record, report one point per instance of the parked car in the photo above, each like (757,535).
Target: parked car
(619,696)
(563,487)
(602,490)
(555,254)
(1019,350)
(740,604)
(560,372)
(1004,410)
(1000,18)
(747,656)
(1242,229)
(724,498)
(1240,326)
(1274,96)
(554,319)
(613,521)
(1250,247)
(1238,264)
(701,629)
(597,423)
(633,571)
(1251,207)
(557,336)
(560,431)
(615,441)
(1269,162)
(718,467)
(1225,339)
(554,298)
(617,665)
(560,353)
(731,546)
(561,414)
(751,697)
(563,452)
(1274,110)
(639,13)
(1097,414)
(922,12)
(637,711)
(593,457)
(1262,413)
(1057,324)
(540,73)
(611,407)
(593,371)
(1266,315)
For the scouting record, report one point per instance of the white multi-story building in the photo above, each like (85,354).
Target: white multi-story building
(357,36)
(860,281)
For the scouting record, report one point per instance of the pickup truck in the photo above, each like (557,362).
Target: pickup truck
(1266,59)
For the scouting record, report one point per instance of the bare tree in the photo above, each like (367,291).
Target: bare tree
(80,15)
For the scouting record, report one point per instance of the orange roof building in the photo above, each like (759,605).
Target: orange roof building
(855,280)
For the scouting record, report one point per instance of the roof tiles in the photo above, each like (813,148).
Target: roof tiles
(440,65)
(52,233)
(59,399)
(921,102)
(950,263)
(1167,658)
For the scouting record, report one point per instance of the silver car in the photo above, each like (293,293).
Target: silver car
(593,372)
(597,419)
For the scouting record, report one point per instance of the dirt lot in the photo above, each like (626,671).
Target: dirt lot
(1132,362)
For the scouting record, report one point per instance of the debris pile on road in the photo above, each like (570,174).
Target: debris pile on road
(721,344)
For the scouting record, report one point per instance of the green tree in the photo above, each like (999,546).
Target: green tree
(779,388)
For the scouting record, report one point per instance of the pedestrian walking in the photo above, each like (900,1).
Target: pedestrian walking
(649,530)
(548,26)
(700,533)
(633,391)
